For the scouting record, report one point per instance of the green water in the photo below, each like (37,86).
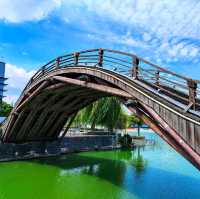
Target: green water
(150,173)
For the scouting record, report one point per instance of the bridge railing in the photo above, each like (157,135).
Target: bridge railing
(161,79)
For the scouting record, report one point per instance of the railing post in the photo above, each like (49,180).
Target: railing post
(31,80)
(157,77)
(57,62)
(43,70)
(192,86)
(100,61)
(135,69)
(76,55)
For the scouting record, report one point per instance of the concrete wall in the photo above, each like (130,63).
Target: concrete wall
(68,144)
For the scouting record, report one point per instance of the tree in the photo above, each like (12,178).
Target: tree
(133,119)
(122,122)
(106,112)
(5,109)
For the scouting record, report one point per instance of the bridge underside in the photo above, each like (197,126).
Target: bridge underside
(44,117)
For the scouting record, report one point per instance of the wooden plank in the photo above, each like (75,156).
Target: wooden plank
(17,125)
(35,92)
(156,107)
(175,120)
(37,106)
(197,138)
(71,119)
(190,134)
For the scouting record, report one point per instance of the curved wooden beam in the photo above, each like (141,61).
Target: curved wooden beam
(102,88)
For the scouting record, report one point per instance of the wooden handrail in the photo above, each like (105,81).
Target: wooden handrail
(118,60)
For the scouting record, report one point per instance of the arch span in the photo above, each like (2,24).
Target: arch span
(166,101)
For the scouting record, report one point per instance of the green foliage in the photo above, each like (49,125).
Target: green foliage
(138,161)
(105,112)
(5,109)
(108,112)
(122,122)
(133,119)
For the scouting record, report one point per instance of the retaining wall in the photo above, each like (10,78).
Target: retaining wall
(10,151)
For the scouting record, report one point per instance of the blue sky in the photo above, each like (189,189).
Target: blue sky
(33,32)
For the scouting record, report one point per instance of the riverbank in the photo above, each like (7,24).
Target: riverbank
(70,144)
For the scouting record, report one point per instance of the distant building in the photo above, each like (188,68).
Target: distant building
(2,80)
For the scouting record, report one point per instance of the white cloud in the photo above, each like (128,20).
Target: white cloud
(164,17)
(17,76)
(26,10)
(180,50)
(193,52)
(11,99)
(146,36)
(163,30)
(161,26)
(126,39)
(17,79)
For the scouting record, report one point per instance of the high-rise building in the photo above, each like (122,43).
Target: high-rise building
(2,80)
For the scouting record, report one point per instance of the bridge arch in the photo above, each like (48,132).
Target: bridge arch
(166,101)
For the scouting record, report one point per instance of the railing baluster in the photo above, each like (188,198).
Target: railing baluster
(192,86)
(100,61)
(76,55)
(57,62)
(157,75)
(43,70)
(135,69)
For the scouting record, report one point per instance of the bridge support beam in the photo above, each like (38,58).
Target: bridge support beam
(14,113)
(68,126)
(103,88)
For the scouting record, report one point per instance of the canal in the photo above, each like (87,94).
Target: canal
(148,173)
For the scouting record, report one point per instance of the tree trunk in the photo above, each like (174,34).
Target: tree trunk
(93,125)
(138,130)
(110,130)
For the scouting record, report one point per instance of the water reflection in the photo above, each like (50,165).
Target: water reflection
(138,161)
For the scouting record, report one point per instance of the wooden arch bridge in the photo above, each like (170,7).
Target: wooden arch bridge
(164,100)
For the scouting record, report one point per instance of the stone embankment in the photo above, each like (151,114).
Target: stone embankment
(10,152)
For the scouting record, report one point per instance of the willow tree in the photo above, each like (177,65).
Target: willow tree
(105,112)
